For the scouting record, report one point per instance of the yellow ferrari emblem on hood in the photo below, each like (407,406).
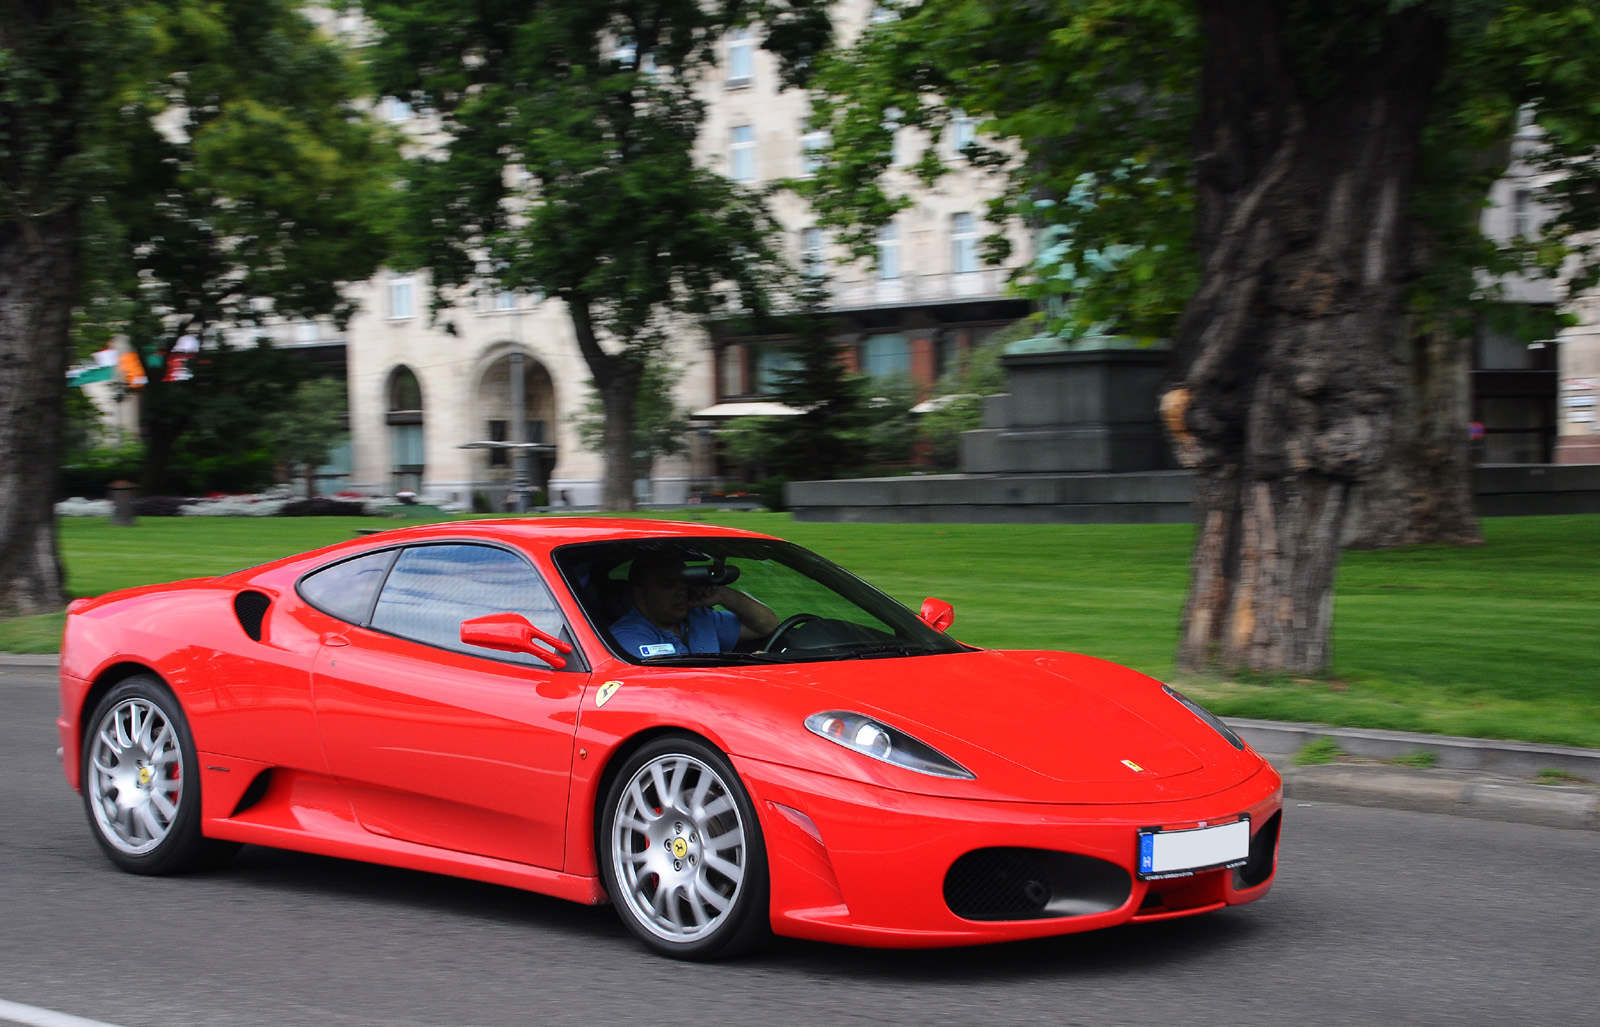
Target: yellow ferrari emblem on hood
(1133,766)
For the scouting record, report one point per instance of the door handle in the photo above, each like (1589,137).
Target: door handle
(334,638)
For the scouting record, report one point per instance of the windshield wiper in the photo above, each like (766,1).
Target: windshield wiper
(874,650)
(710,659)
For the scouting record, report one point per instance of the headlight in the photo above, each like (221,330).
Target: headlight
(860,733)
(1206,715)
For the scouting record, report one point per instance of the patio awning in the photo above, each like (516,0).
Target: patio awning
(751,408)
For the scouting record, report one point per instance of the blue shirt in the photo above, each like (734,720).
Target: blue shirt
(708,631)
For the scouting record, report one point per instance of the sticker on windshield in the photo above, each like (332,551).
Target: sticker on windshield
(659,649)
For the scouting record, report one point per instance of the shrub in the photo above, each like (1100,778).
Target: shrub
(160,506)
(322,506)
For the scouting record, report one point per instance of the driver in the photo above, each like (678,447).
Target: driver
(667,617)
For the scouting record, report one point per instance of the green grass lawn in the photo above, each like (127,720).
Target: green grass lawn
(1487,641)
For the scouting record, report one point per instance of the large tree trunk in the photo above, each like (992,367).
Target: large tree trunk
(1284,385)
(616,379)
(38,281)
(1423,492)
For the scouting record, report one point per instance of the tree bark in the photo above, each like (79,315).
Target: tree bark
(616,379)
(1423,492)
(38,282)
(1284,387)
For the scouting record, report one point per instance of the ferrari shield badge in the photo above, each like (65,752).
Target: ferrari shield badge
(1133,766)
(607,690)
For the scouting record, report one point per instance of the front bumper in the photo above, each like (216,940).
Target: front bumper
(864,865)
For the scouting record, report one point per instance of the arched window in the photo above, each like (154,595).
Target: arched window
(405,429)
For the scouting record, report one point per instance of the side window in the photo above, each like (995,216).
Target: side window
(432,589)
(345,590)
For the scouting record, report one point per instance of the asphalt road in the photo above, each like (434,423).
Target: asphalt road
(1378,917)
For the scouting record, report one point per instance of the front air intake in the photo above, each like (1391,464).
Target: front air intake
(251,608)
(1033,884)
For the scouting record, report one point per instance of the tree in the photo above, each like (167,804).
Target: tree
(305,430)
(162,162)
(1263,168)
(569,166)
(659,424)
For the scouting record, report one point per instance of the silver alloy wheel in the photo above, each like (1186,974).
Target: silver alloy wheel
(136,776)
(678,848)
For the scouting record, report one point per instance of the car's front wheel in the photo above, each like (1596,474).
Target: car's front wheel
(141,782)
(681,852)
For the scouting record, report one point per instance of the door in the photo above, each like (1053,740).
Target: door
(443,743)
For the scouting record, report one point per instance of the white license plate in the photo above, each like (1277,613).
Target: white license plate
(1176,853)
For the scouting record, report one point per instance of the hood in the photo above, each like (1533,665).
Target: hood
(1038,726)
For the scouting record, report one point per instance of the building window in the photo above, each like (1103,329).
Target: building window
(1521,214)
(963,132)
(730,379)
(405,429)
(306,331)
(400,297)
(741,52)
(742,154)
(888,252)
(811,252)
(395,109)
(505,300)
(812,143)
(891,124)
(886,355)
(963,244)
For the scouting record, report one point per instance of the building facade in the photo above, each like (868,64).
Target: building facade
(419,394)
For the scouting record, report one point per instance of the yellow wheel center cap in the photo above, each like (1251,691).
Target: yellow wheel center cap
(144,775)
(680,848)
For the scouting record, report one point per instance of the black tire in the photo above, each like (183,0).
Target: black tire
(141,782)
(681,852)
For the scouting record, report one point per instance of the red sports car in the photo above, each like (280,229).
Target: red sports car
(721,733)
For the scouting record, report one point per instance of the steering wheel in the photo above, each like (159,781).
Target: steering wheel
(789,623)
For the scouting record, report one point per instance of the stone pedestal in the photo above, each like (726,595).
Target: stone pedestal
(1073,412)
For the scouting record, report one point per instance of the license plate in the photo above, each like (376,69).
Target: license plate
(1179,853)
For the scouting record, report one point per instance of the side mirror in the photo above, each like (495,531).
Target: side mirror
(511,633)
(937,614)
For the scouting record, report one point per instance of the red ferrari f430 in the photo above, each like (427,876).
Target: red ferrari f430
(722,734)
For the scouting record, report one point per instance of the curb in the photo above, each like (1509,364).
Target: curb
(1451,792)
(29,660)
(1475,777)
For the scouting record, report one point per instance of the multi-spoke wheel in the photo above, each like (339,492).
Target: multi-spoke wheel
(141,782)
(681,852)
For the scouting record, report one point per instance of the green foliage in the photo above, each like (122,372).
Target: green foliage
(660,426)
(570,167)
(306,428)
(218,430)
(962,390)
(1088,108)
(89,472)
(1317,753)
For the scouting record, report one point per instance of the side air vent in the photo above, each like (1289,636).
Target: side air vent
(251,607)
(1033,884)
(1263,858)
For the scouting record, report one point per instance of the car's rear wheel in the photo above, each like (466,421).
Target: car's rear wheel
(681,852)
(141,782)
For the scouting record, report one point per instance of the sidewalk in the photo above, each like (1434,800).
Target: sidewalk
(1471,777)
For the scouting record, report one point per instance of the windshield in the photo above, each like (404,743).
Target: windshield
(718,601)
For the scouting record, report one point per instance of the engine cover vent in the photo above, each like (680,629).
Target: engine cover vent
(250,607)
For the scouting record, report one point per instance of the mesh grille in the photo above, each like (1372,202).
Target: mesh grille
(250,607)
(1033,884)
